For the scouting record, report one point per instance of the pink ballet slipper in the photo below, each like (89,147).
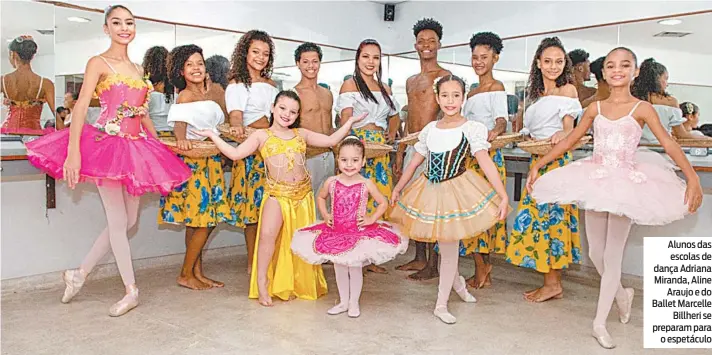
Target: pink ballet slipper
(129,302)
(74,280)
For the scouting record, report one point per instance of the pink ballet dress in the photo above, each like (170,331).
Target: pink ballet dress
(345,243)
(618,178)
(116,148)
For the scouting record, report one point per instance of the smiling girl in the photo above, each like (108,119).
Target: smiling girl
(288,202)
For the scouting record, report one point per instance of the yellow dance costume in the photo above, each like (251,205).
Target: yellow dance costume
(288,275)
(545,236)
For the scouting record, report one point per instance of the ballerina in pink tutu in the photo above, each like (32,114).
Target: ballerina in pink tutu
(349,238)
(116,154)
(618,185)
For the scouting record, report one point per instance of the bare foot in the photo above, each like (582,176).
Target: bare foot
(210,282)
(481,276)
(530,292)
(427,273)
(265,301)
(415,265)
(488,281)
(375,269)
(192,283)
(546,293)
(249,270)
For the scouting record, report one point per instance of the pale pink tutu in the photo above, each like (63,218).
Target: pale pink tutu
(374,244)
(649,194)
(141,164)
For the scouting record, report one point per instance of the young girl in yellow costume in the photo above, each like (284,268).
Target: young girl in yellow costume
(200,203)
(288,202)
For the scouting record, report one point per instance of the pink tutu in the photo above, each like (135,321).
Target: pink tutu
(345,243)
(141,164)
(618,178)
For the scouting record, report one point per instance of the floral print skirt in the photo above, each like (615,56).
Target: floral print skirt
(246,190)
(545,236)
(378,169)
(202,200)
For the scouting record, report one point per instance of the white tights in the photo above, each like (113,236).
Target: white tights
(607,235)
(349,280)
(121,215)
(449,273)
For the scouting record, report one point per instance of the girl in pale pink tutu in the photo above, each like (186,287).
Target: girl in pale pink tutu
(117,153)
(348,237)
(619,185)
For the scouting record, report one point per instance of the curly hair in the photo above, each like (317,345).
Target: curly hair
(307,47)
(156,66)
(578,56)
(292,95)
(24,46)
(111,9)
(217,67)
(361,84)
(648,80)
(238,63)
(352,141)
(445,79)
(535,85)
(597,68)
(489,39)
(428,24)
(176,61)
(689,109)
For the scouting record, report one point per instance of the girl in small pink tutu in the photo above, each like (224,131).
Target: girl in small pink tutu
(120,153)
(348,237)
(619,185)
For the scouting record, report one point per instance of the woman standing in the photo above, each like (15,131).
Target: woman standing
(249,98)
(545,237)
(119,153)
(366,93)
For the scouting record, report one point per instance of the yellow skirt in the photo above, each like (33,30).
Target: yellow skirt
(246,190)
(545,236)
(494,240)
(288,275)
(448,211)
(378,169)
(202,200)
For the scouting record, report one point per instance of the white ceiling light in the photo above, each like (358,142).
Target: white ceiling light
(670,22)
(78,19)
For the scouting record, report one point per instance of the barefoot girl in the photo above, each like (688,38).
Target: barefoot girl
(618,185)
(349,238)
(288,202)
(449,202)
(201,203)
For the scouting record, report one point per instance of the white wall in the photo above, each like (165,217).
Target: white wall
(37,241)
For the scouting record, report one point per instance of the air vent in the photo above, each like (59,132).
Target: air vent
(672,34)
(46,32)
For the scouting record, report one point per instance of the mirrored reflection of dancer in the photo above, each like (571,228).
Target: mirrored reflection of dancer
(422,109)
(581,69)
(602,89)
(619,185)
(119,153)
(155,65)
(25,92)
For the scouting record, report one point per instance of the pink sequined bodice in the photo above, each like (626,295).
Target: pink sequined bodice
(615,142)
(123,103)
(351,204)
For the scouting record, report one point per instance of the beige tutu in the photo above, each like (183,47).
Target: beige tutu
(455,209)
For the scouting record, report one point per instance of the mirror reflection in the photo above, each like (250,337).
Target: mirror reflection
(27,62)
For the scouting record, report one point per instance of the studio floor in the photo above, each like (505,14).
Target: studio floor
(396,318)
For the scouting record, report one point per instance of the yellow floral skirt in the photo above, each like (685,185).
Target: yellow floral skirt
(378,169)
(201,201)
(493,240)
(545,236)
(246,190)
(288,275)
